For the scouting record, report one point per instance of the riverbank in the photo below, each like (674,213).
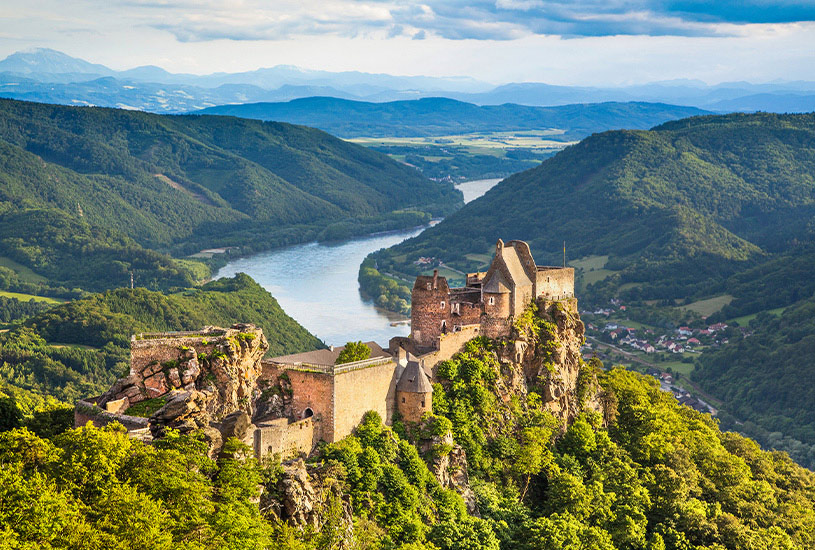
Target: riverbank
(317,282)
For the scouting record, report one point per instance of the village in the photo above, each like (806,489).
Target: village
(667,354)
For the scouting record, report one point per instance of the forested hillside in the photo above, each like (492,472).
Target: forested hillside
(438,116)
(112,183)
(659,476)
(766,380)
(699,208)
(79,348)
(677,209)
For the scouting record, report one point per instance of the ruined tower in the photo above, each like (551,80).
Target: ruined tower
(414,393)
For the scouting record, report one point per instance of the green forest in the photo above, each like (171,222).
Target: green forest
(649,474)
(80,348)
(677,209)
(693,209)
(439,116)
(91,196)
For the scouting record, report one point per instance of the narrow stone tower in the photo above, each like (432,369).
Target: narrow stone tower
(414,393)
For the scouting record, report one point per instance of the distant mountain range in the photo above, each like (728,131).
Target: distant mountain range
(443,117)
(53,77)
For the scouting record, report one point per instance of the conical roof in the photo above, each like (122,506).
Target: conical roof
(414,380)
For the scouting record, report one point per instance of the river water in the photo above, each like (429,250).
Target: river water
(317,285)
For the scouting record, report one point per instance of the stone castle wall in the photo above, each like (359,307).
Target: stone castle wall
(314,391)
(163,347)
(556,283)
(287,439)
(359,391)
(412,405)
(429,307)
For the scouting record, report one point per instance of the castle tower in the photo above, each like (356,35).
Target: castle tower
(430,309)
(414,393)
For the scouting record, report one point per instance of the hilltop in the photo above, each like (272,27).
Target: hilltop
(90,187)
(676,209)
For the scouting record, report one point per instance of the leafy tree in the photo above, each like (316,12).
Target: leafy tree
(353,351)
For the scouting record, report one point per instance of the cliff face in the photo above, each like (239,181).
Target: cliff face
(543,356)
(550,360)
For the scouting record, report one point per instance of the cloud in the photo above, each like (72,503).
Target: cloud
(205,20)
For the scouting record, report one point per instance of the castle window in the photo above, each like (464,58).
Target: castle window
(429,286)
(442,305)
(403,400)
(492,300)
(308,412)
(422,403)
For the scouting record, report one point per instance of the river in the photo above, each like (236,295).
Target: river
(316,283)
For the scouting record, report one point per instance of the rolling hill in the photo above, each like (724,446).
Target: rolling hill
(678,208)
(110,184)
(440,116)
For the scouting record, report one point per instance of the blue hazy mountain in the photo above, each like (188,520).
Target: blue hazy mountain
(442,116)
(50,76)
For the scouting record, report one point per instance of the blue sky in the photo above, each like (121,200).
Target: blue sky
(597,42)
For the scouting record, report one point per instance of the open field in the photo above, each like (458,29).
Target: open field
(26,297)
(481,143)
(708,307)
(22,271)
(589,263)
(744,320)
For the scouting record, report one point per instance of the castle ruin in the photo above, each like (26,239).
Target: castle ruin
(216,380)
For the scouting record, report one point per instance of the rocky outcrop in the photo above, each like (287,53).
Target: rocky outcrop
(303,494)
(549,361)
(204,377)
(448,462)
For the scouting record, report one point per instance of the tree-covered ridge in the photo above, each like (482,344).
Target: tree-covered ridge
(78,349)
(659,475)
(105,184)
(649,473)
(765,378)
(438,116)
(677,208)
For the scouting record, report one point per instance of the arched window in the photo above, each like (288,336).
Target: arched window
(308,413)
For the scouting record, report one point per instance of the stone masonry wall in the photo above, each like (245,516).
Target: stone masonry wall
(413,405)
(429,306)
(288,439)
(556,283)
(315,391)
(358,391)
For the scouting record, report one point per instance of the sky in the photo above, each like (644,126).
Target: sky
(577,42)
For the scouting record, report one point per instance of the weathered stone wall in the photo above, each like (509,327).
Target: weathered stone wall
(555,283)
(315,391)
(413,405)
(148,349)
(430,305)
(288,439)
(358,391)
(88,411)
